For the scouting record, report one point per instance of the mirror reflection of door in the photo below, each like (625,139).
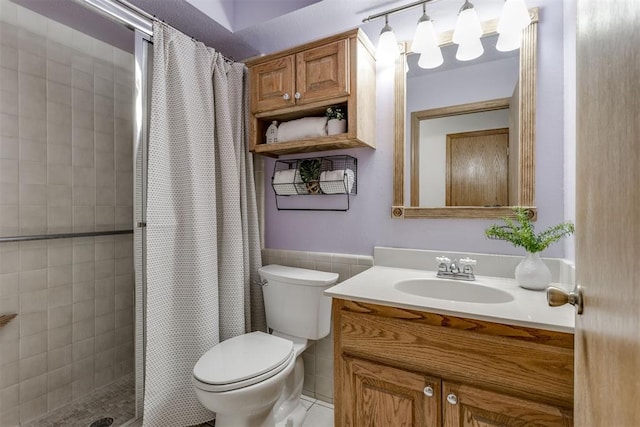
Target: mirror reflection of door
(477,168)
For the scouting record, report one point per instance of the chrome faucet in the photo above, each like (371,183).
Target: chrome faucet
(451,269)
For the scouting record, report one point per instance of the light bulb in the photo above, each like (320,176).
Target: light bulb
(425,37)
(468,25)
(509,41)
(388,50)
(431,58)
(514,17)
(424,32)
(470,49)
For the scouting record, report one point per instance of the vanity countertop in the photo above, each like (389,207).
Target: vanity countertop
(528,308)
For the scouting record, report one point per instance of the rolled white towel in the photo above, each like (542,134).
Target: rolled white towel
(337,181)
(288,182)
(306,127)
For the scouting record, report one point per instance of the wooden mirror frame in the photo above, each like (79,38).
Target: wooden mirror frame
(527,134)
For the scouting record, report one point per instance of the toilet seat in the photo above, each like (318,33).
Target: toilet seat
(233,364)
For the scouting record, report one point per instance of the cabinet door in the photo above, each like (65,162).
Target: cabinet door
(380,396)
(322,73)
(272,84)
(473,407)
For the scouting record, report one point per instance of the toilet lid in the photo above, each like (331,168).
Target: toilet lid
(243,357)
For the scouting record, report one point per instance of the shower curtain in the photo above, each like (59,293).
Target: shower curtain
(203,247)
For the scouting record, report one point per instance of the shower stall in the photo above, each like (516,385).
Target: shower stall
(73,131)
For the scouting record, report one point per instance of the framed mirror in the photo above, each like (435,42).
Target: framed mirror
(452,169)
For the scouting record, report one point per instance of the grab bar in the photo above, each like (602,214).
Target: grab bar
(62,235)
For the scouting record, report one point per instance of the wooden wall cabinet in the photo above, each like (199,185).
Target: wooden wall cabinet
(398,367)
(304,81)
(302,78)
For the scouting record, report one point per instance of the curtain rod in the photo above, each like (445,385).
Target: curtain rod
(132,16)
(396,10)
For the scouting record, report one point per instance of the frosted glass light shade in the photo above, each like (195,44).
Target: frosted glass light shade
(388,50)
(425,36)
(431,58)
(470,49)
(509,41)
(468,26)
(514,17)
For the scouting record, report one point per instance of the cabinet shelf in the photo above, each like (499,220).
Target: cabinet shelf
(333,142)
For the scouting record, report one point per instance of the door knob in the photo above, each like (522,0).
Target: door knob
(428,391)
(286,96)
(297,95)
(557,297)
(452,399)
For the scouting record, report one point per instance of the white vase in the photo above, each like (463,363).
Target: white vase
(335,126)
(532,273)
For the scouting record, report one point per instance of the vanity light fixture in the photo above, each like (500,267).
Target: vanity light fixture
(388,49)
(467,34)
(425,42)
(513,19)
(469,49)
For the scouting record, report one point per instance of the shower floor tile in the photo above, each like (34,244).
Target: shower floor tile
(117,401)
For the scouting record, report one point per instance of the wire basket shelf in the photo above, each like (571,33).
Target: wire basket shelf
(327,175)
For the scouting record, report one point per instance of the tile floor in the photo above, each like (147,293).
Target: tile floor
(319,414)
(117,401)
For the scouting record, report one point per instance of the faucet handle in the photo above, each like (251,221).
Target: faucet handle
(468,264)
(443,265)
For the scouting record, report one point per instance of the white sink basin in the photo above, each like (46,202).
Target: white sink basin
(453,290)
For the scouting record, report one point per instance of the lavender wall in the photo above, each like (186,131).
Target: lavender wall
(570,12)
(368,223)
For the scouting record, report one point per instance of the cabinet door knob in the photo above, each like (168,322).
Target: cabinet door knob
(297,95)
(286,96)
(452,398)
(428,391)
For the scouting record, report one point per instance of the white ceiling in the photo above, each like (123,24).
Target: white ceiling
(245,28)
(272,25)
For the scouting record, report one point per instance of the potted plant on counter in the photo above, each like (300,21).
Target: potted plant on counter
(532,273)
(337,122)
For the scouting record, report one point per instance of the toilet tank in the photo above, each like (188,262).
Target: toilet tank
(294,300)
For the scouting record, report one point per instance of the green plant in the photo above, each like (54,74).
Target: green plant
(310,170)
(335,112)
(520,232)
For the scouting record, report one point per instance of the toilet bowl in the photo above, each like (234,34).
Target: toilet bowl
(255,379)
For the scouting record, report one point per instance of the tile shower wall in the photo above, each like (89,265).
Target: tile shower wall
(318,358)
(65,165)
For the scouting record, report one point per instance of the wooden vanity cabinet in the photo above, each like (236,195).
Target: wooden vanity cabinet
(379,395)
(398,367)
(478,407)
(304,81)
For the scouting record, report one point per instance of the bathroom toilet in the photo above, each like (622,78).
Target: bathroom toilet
(255,379)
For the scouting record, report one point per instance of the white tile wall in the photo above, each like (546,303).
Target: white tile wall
(65,165)
(318,358)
